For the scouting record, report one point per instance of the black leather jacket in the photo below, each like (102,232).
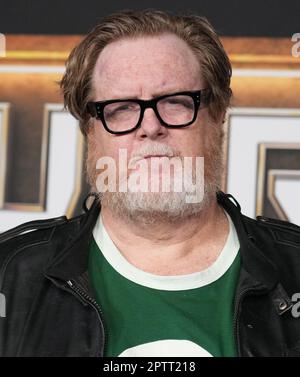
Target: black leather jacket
(50,310)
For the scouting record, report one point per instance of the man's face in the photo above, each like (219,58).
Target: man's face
(147,67)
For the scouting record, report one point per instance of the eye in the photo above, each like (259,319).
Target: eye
(178,102)
(115,109)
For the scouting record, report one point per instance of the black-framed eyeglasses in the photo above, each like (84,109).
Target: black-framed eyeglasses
(176,110)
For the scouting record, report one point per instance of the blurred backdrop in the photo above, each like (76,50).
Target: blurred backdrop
(42,152)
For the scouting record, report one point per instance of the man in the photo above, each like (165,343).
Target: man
(152,274)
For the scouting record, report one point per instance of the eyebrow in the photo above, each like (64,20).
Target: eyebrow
(174,90)
(157,94)
(170,91)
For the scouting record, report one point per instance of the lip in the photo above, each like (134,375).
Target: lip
(136,159)
(155,155)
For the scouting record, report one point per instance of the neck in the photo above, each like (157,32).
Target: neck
(170,247)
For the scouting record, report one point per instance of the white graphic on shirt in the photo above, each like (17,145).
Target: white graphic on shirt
(167,348)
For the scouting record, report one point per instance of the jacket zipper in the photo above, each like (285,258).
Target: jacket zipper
(85,297)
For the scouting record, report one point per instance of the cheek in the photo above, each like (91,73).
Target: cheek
(99,143)
(192,143)
(202,134)
(103,144)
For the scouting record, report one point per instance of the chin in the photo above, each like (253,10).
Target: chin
(150,207)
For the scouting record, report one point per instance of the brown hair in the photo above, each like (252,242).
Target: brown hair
(196,31)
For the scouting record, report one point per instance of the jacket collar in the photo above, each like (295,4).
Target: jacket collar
(257,266)
(71,260)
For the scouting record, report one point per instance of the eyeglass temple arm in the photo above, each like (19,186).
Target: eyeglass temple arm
(91,109)
(206,97)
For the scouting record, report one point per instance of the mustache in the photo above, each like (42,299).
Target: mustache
(155,148)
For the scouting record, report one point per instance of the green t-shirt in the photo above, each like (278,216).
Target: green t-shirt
(151,315)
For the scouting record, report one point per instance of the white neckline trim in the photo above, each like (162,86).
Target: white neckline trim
(169,283)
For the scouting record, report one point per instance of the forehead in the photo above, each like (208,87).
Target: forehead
(143,66)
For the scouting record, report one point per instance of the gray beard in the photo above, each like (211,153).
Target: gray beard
(148,207)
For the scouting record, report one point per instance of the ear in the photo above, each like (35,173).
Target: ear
(222,118)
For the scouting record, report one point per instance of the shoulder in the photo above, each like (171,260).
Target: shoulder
(38,240)
(34,234)
(273,230)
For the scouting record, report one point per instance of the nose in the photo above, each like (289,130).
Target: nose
(151,127)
